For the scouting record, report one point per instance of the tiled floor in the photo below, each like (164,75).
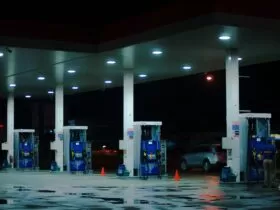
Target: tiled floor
(63,191)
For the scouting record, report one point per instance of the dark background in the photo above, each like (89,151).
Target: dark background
(191,109)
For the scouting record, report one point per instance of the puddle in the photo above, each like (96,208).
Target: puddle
(87,195)
(6,201)
(112,200)
(105,187)
(18,187)
(46,191)
(80,187)
(34,206)
(100,208)
(167,190)
(174,197)
(23,189)
(130,208)
(169,205)
(230,197)
(192,188)
(248,197)
(3,201)
(173,190)
(141,202)
(109,200)
(181,197)
(70,193)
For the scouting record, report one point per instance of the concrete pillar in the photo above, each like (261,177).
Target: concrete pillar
(128,107)
(10,128)
(232,109)
(128,119)
(59,121)
(9,145)
(58,71)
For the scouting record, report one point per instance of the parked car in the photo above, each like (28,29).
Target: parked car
(204,156)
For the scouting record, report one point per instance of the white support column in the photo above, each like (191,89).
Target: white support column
(232,110)
(9,145)
(57,145)
(128,119)
(128,108)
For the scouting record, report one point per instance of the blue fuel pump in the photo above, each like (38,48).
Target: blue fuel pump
(259,145)
(257,148)
(78,156)
(246,146)
(144,152)
(26,159)
(77,149)
(150,161)
(25,149)
(151,158)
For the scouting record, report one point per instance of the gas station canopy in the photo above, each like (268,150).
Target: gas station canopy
(197,44)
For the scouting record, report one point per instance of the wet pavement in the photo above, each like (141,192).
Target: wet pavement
(41,190)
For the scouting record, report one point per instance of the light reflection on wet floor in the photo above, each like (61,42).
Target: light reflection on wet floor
(94,192)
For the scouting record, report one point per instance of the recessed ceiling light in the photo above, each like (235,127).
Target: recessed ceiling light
(142,75)
(41,78)
(50,92)
(12,85)
(108,82)
(28,96)
(75,88)
(71,71)
(240,59)
(187,67)
(224,37)
(157,52)
(1,54)
(111,62)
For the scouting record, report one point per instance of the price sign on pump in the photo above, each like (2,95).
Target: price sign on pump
(235,129)
(130,133)
(60,136)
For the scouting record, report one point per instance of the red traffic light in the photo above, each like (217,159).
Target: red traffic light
(1,126)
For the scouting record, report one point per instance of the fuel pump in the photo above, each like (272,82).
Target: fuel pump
(143,151)
(77,150)
(25,153)
(25,149)
(249,146)
(78,156)
(260,144)
(150,152)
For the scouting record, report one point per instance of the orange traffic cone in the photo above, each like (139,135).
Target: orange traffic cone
(177,176)
(102,172)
